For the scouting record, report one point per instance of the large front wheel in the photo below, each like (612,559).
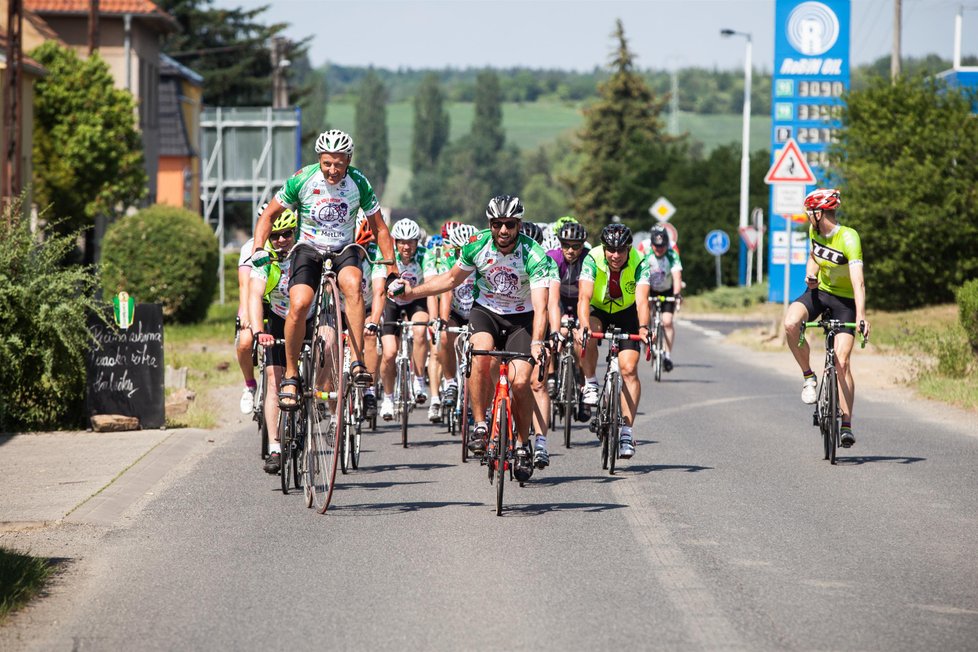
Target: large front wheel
(831,434)
(403,377)
(614,422)
(569,392)
(659,355)
(502,446)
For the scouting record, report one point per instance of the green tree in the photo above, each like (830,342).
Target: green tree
(626,152)
(229,48)
(907,162)
(488,135)
(312,103)
(88,156)
(431,124)
(370,129)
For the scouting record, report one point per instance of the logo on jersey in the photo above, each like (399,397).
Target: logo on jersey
(630,287)
(505,282)
(827,253)
(336,213)
(464,292)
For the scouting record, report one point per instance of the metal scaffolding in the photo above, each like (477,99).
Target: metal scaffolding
(249,152)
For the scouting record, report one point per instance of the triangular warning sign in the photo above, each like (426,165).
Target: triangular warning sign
(790,166)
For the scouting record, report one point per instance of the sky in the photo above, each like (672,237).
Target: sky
(576,35)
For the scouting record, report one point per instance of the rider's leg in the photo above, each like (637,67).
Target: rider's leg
(523,405)
(589,364)
(350,280)
(796,314)
(273,376)
(300,298)
(541,403)
(387,370)
(847,386)
(669,329)
(420,353)
(480,382)
(243,351)
(449,365)
(631,390)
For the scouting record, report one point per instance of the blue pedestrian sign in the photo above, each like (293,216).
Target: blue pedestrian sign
(717,242)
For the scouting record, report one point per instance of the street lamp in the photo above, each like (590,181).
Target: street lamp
(745,141)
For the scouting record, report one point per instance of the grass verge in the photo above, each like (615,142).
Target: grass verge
(21,578)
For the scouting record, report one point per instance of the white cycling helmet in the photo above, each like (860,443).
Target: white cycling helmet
(261,209)
(550,243)
(460,235)
(406,230)
(334,141)
(504,206)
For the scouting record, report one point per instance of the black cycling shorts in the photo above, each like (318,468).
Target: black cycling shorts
(307,264)
(626,320)
(275,326)
(819,302)
(456,320)
(568,307)
(392,314)
(667,306)
(509,332)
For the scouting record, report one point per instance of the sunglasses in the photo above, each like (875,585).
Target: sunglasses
(280,235)
(573,246)
(620,250)
(495,225)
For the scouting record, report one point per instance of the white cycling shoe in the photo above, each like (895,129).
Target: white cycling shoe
(387,409)
(590,394)
(247,403)
(808,392)
(420,392)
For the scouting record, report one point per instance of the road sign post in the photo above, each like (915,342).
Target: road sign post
(717,243)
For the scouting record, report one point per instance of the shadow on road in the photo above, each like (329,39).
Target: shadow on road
(649,468)
(547,508)
(673,379)
(370,486)
(555,480)
(432,443)
(878,458)
(397,508)
(383,468)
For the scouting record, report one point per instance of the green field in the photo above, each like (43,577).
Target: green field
(529,126)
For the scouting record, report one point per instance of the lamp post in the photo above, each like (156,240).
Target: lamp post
(745,143)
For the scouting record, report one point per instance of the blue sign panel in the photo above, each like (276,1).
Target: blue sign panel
(717,242)
(811,72)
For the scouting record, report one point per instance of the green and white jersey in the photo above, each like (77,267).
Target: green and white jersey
(411,270)
(327,214)
(658,271)
(835,253)
(503,281)
(438,260)
(276,275)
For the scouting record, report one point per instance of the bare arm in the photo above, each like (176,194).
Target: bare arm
(380,298)
(263,228)
(539,299)
(859,294)
(553,307)
(256,289)
(642,304)
(677,282)
(585,290)
(437,284)
(384,241)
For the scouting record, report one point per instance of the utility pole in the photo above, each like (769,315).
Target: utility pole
(280,88)
(895,57)
(10,183)
(93,28)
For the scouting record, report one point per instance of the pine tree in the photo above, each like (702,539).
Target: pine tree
(370,132)
(626,151)
(487,124)
(431,124)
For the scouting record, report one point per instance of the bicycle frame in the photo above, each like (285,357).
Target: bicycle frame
(658,333)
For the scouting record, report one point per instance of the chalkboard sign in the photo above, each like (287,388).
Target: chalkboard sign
(125,367)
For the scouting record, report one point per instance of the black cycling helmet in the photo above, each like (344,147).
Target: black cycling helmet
(504,206)
(572,231)
(616,236)
(660,237)
(532,230)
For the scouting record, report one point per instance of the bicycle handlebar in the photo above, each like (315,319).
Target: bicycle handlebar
(621,337)
(458,330)
(833,325)
(664,299)
(508,356)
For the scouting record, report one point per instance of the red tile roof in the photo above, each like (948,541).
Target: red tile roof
(136,7)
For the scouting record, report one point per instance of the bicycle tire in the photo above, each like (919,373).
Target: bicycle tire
(263,430)
(284,439)
(355,449)
(602,432)
(404,381)
(659,352)
(463,425)
(308,486)
(344,453)
(832,431)
(298,453)
(327,358)
(569,397)
(502,446)
(614,423)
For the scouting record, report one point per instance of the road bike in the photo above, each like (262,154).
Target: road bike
(501,453)
(404,396)
(455,413)
(658,334)
(608,420)
(258,411)
(566,403)
(291,430)
(828,414)
(354,416)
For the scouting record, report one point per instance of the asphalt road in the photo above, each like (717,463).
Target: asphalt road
(726,531)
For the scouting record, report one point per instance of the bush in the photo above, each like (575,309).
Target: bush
(967,297)
(166,255)
(44,307)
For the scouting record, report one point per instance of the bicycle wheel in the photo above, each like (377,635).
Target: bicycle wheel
(569,397)
(327,367)
(259,411)
(502,444)
(308,486)
(285,433)
(355,445)
(614,422)
(463,425)
(831,434)
(346,451)
(298,451)
(602,427)
(659,353)
(404,380)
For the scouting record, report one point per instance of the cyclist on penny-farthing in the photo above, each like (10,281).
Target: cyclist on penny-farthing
(614,291)
(834,275)
(327,197)
(509,313)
